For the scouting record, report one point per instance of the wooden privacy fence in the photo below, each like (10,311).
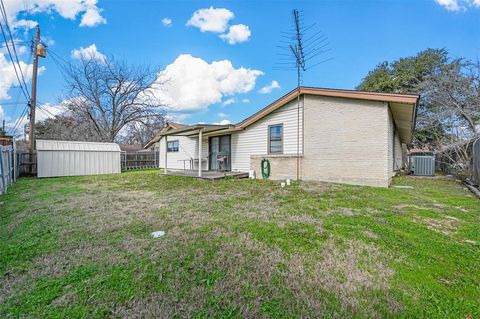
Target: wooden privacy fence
(27,164)
(8,173)
(138,160)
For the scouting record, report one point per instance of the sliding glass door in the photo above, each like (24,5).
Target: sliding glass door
(219,153)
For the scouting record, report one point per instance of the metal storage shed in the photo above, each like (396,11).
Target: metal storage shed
(72,158)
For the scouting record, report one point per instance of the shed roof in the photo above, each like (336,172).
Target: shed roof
(50,145)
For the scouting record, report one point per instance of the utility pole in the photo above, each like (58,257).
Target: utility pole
(38,51)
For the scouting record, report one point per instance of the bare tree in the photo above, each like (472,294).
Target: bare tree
(67,128)
(141,132)
(112,95)
(453,96)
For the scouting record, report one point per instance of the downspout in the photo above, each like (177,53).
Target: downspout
(298,132)
(166,151)
(200,153)
(303,134)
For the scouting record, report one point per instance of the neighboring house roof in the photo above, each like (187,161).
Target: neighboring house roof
(173,125)
(403,107)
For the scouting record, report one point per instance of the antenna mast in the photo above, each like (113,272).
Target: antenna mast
(300,46)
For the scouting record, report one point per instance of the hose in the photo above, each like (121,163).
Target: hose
(265,168)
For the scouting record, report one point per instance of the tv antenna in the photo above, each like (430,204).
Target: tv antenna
(301,47)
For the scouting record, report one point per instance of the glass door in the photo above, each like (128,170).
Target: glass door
(219,153)
(214,148)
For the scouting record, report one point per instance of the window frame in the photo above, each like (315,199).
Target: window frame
(172,149)
(270,140)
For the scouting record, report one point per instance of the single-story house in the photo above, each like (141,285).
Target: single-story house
(310,133)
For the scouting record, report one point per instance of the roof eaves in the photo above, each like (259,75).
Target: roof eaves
(351,94)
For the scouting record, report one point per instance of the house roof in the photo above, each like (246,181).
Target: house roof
(193,129)
(403,107)
(349,94)
(168,126)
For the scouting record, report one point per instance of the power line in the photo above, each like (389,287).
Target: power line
(18,44)
(62,64)
(19,120)
(13,45)
(12,103)
(21,79)
(13,42)
(45,110)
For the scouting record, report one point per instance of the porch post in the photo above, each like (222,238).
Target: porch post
(166,149)
(200,153)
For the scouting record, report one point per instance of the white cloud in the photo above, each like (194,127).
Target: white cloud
(90,52)
(229,101)
(27,24)
(92,17)
(167,22)
(269,88)
(237,33)
(68,9)
(8,78)
(48,110)
(223,122)
(211,19)
(3,116)
(246,101)
(192,84)
(458,5)
(221,114)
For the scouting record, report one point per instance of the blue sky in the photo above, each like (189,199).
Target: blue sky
(361,35)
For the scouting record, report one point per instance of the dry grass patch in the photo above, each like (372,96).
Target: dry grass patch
(447,225)
(314,187)
(351,270)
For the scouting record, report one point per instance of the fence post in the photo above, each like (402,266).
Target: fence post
(15,168)
(9,165)
(2,171)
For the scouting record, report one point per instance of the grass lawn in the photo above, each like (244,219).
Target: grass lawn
(80,247)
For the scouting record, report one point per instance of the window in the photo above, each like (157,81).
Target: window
(172,146)
(275,139)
